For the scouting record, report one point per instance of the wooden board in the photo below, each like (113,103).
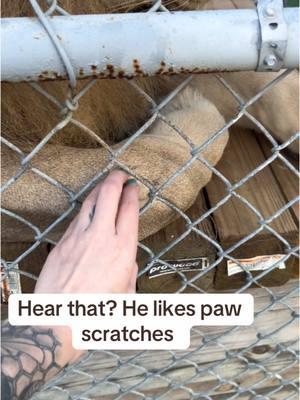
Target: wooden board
(192,246)
(235,220)
(210,345)
(285,177)
(126,369)
(267,191)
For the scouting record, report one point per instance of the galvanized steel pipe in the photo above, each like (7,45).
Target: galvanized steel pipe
(141,44)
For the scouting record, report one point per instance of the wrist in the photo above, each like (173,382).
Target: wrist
(66,354)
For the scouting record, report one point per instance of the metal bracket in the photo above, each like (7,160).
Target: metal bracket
(274,33)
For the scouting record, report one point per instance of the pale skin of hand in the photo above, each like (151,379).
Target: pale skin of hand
(97,254)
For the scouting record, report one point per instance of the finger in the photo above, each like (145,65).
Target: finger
(87,211)
(132,282)
(107,203)
(70,230)
(128,215)
(75,225)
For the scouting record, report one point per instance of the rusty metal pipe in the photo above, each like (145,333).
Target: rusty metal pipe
(141,44)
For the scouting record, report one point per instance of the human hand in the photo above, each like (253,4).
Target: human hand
(97,253)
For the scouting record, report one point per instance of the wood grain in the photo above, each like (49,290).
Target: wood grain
(191,246)
(232,355)
(286,179)
(235,220)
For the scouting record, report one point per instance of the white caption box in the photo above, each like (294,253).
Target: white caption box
(131,321)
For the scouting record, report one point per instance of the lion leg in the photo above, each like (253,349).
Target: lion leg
(154,156)
(277,109)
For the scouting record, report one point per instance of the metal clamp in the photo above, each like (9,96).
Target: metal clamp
(274,35)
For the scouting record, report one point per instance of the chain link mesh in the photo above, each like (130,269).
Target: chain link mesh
(257,362)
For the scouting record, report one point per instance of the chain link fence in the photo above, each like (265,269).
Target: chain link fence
(257,362)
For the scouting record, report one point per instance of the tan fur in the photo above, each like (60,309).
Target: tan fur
(21,8)
(154,156)
(277,110)
(114,110)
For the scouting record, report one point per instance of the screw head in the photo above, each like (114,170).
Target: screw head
(269,12)
(270,60)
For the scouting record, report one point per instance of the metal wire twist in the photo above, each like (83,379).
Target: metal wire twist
(269,355)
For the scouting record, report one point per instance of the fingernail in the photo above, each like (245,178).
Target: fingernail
(131,181)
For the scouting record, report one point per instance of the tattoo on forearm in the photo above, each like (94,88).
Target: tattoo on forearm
(29,357)
(92,213)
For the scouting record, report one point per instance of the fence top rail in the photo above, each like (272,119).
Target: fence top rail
(112,46)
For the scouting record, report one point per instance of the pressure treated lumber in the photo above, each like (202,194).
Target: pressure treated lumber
(224,352)
(191,246)
(286,178)
(236,221)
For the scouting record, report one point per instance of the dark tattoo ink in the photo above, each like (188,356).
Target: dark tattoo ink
(28,360)
(92,213)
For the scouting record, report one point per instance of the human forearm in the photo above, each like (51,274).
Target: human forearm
(103,239)
(31,356)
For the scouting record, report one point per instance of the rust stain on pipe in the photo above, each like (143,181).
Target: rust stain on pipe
(113,72)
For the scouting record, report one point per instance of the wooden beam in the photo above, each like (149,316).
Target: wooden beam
(286,179)
(236,355)
(192,246)
(235,220)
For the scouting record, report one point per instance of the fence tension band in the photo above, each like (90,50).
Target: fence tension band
(274,34)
